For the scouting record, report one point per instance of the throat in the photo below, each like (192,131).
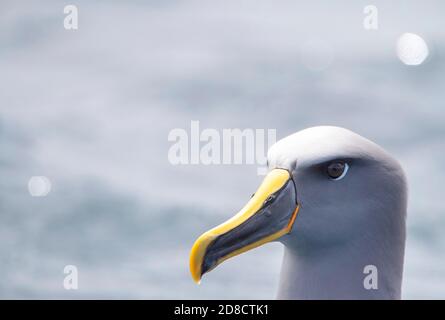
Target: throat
(349,273)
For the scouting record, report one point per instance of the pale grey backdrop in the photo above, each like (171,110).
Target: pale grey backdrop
(91,110)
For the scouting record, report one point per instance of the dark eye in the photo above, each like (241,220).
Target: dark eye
(337,170)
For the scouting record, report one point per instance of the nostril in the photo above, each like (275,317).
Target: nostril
(269,200)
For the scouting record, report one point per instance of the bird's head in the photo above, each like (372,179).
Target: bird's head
(326,186)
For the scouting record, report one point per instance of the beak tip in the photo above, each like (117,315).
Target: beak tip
(197,256)
(195,269)
(196,277)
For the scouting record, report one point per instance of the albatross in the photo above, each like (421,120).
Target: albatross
(337,202)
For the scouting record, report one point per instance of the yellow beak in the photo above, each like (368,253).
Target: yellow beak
(268,215)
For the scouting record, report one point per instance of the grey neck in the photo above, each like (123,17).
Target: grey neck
(342,272)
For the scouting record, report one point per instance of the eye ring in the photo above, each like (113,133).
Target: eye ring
(337,170)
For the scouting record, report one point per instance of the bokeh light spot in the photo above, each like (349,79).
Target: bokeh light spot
(39,186)
(412,50)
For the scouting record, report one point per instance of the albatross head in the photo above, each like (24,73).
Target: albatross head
(337,201)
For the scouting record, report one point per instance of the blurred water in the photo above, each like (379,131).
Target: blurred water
(91,110)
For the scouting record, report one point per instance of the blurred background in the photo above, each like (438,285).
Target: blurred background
(91,109)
